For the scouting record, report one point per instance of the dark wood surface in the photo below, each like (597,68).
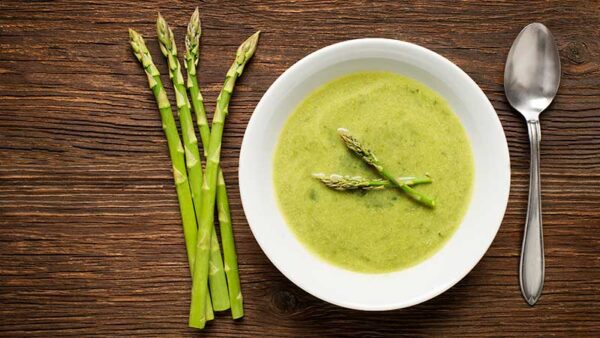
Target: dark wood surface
(90,236)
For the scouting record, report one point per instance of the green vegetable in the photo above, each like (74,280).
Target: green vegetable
(369,157)
(199,291)
(192,43)
(192,52)
(346,182)
(176,151)
(216,278)
(231,264)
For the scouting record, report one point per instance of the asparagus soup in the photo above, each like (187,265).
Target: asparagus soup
(380,228)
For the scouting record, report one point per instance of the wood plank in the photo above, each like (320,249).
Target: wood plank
(90,237)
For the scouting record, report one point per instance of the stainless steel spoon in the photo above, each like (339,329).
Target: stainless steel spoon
(531,79)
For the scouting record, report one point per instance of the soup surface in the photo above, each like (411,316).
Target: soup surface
(413,132)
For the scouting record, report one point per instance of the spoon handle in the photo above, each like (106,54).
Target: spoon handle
(532,252)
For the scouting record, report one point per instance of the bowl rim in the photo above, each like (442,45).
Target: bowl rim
(442,286)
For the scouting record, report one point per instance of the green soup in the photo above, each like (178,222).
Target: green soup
(412,131)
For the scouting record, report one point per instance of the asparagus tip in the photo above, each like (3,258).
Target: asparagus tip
(318,175)
(195,20)
(247,49)
(342,131)
(137,44)
(192,38)
(253,39)
(160,23)
(132,34)
(165,36)
(162,27)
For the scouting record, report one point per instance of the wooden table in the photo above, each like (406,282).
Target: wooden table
(91,242)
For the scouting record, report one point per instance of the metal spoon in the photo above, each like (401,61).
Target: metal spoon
(531,79)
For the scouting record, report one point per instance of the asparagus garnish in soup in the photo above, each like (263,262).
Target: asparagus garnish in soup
(369,157)
(348,182)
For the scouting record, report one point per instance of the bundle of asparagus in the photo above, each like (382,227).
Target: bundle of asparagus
(197,193)
(344,182)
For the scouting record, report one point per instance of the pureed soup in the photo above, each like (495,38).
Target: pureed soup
(413,132)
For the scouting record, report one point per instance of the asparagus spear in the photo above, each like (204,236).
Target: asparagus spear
(346,182)
(218,284)
(182,187)
(369,157)
(199,292)
(192,43)
(192,52)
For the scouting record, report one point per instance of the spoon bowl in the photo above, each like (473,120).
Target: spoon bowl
(532,71)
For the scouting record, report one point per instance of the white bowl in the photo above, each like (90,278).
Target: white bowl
(462,251)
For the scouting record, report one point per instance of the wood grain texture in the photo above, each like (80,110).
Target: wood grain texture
(90,235)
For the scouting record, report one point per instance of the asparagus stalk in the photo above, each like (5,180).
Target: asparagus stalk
(218,284)
(192,43)
(199,292)
(346,182)
(176,151)
(369,157)
(231,264)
